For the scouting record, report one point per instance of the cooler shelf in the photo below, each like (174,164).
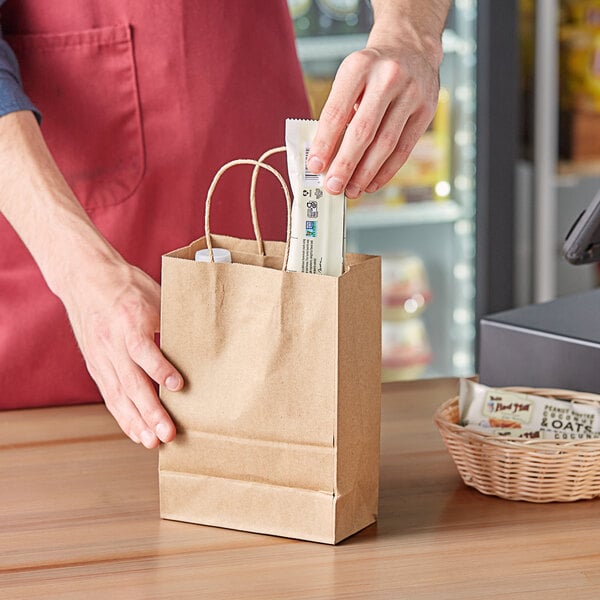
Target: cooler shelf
(329,47)
(422,213)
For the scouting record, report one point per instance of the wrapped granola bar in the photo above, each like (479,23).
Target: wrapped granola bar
(317,243)
(527,416)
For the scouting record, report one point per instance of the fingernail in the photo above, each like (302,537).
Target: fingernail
(352,191)
(314,164)
(162,432)
(134,438)
(335,185)
(372,187)
(173,382)
(148,438)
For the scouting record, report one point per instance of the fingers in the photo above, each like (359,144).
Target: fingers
(131,399)
(378,108)
(359,160)
(345,92)
(145,353)
(134,385)
(379,165)
(114,314)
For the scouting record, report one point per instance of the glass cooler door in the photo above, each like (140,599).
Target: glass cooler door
(423,222)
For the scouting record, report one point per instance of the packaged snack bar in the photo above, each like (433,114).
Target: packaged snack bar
(318,240)
(518,415)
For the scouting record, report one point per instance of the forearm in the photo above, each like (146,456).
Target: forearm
(37,201)
(421,23)
(113,307)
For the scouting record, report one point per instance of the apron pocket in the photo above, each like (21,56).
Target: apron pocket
(84,84)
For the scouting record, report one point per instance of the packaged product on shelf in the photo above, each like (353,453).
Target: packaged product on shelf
(579,36)
(580,68)
(405,350)
(404,286)
(581,13)
(518,415)
(343,17)
(317,89)
(304,17)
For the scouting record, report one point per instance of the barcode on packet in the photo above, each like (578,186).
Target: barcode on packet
(309,177)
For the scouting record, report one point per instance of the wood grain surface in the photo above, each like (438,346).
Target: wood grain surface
(79,519)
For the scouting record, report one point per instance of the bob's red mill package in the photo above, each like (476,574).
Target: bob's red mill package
(278,422)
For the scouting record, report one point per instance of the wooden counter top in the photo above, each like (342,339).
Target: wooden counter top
(79,519)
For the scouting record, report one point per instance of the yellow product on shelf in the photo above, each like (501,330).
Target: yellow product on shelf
(317,89)
(580,68)
(579,36)
(581,13)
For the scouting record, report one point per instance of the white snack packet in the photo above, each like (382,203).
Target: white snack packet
(318,240)
(518,415)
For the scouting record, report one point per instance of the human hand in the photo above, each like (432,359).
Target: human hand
(113,307)
(381,102)
(114,314)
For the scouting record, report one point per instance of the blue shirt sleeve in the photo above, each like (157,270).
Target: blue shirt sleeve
(12,96)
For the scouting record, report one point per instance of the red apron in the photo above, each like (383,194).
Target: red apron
(142,101)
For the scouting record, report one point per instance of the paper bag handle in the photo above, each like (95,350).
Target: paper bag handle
(257,164)
(255,172)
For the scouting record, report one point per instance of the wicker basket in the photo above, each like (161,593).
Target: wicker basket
(515,469)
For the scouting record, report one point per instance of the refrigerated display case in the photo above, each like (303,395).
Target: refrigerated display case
(428,214)
(559,170)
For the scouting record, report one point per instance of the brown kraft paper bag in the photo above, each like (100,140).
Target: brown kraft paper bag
(279,419)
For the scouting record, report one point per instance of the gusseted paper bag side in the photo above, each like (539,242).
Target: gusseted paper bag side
(278,422)
(358,395)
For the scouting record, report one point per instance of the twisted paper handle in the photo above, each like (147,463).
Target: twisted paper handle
(255,172)
(257,165)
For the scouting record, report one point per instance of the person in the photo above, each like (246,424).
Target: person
(140,103)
